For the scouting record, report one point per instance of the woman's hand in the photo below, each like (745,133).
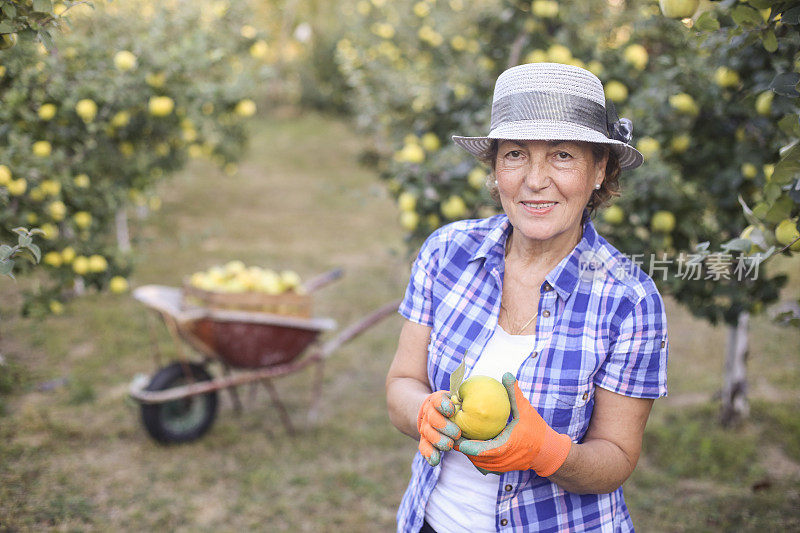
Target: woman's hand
(526,443)
(435,430)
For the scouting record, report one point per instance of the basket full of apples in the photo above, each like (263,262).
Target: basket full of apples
(235,286)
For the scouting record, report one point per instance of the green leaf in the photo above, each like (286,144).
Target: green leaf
(737,245)
(785,84)
(760,4)
(27,254)
(43,6)
(457,377)
(790,125)
(5,252)
(20,231)
(780,210)
(791,16)
(36,251)
(788,167)
(770,41)
(25,241)
(6,267)
(9,10)
(772,191)
(47,40)
(760,210)
(748,213)
(707,22)
(6,27)
(746,17)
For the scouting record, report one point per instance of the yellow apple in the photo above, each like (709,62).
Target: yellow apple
(118,285)
(662,222)
(482,408)
(86,109)
(160,106)
(124,60)
(616,91)
(614,215)
(47,111)
(786,232)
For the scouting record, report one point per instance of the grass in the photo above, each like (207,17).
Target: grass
(74,455)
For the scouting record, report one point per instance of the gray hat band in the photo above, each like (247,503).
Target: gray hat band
(536,105)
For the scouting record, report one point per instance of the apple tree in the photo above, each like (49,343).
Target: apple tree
(755,47)
(90,127)
(425,71)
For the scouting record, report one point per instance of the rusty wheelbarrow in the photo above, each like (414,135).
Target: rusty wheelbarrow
(179,401)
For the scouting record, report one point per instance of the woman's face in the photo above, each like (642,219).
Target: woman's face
(545,185)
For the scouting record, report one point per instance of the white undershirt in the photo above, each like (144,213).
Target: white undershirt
(463,499)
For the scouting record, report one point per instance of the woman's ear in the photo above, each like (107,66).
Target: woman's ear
(600,167)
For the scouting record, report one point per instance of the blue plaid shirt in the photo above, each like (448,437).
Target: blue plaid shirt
(601,324)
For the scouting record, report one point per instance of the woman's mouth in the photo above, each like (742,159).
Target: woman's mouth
(539,208)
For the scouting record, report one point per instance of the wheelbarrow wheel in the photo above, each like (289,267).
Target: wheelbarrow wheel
(185,419)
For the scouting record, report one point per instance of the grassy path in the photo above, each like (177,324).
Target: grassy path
(76,457)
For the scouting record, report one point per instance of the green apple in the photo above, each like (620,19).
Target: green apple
(678,9)
(7,40)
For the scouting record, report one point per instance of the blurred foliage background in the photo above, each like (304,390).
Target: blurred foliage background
(108,106)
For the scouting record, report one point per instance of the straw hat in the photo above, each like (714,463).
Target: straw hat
(551,101)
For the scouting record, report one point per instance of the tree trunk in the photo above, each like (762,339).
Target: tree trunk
(123,237)
(735,406)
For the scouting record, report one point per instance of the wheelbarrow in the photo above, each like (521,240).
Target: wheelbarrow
(179,401)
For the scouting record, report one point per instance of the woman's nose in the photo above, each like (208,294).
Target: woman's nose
(537,174)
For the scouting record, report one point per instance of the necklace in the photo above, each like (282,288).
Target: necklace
(528,323)
(508,315)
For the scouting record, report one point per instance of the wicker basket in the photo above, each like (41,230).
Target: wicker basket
(289,303)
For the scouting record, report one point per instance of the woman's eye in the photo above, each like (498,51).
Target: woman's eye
(563,156)
(514,154)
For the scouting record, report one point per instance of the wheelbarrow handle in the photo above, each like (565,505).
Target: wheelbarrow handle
(321,280)
(358,327)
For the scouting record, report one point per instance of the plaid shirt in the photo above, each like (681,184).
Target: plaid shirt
(601,324)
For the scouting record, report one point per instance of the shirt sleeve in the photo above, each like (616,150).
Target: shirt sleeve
(637,361)
(418,304)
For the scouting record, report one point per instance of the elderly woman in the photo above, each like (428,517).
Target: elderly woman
(537,298)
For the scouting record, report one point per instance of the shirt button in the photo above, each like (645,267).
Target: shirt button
(509,488)
(663,343)
(585,396)
(503,522)
(547,287)
(546,313)
(535,354)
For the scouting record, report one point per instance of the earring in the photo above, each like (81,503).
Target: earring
(597,186)
(494,183)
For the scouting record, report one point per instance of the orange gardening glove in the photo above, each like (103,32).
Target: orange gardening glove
(526,443)
(435,430)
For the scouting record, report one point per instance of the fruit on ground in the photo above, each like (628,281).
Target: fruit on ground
(482,408)
(678,9)
(786,232)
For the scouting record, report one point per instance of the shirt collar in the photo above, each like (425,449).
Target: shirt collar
(564,277)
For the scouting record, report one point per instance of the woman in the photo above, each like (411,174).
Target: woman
(537,298)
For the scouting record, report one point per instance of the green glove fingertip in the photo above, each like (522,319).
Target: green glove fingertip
(435,458)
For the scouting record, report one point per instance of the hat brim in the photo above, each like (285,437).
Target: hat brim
(545,130)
